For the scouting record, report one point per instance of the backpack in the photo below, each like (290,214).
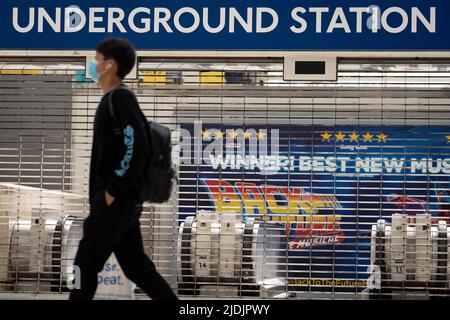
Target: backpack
(156,181)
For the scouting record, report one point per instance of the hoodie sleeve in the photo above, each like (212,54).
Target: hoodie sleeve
(134,144)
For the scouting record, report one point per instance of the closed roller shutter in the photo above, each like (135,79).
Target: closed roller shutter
(301,170)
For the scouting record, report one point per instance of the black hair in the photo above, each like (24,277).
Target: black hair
(122,51)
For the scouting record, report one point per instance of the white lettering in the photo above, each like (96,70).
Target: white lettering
(387,13)
(221,21)
(144,21)
(359,12)
(117,21)
(54,24)
(300,20)
(71,25)
(93,19)
(162,20)
(30,25)
(362,164)
(394,164)
(235,15)
(339,15)
(418,165)
(259,24)
(194,25)
(430,24)
(318,11)
(224,19)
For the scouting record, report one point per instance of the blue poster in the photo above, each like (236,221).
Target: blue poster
(326,185)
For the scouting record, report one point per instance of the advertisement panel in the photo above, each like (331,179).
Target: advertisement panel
(327,184)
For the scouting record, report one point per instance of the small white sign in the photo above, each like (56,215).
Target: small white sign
(113,284)
(310,68)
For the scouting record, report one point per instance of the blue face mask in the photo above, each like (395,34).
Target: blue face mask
(93,70)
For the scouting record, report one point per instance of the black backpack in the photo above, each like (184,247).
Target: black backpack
(156,181)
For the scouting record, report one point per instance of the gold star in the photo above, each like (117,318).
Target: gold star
(233,134)
(448,139)
(325,136)
(247,135)
(368,137)
(261,135)
(206,134)
(219,134)
(340,136)
(354,137)
(382,137)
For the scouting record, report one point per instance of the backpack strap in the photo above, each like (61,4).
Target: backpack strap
(117,131)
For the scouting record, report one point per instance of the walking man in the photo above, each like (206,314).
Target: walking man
(117,160)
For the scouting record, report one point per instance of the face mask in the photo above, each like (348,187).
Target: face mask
(93,70)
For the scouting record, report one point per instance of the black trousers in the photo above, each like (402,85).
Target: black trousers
(116,229)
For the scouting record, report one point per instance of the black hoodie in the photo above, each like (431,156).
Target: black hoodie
(117,160)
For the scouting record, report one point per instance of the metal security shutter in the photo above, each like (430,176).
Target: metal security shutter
(47,111)
(36,123)
(250,98)
(37,191)
(370,97)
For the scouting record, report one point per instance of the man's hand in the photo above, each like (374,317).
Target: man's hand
(108,198)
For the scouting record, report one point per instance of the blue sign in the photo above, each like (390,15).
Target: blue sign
(228,24)
(327,185)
